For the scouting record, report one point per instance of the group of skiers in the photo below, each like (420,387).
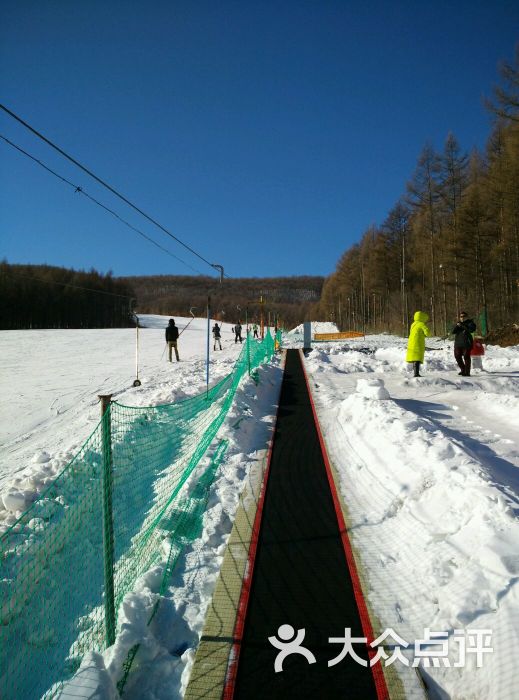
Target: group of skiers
(172,335)
(466,347)
(217,335)
(236,329)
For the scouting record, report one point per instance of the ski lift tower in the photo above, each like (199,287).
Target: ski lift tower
(220,268)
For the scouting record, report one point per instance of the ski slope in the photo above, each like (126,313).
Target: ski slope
(428,468)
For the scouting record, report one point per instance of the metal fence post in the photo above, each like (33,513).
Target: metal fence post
(248,339)
(108,527)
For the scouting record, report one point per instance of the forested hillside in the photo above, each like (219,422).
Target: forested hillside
(450,243)
(41,296)
(289,299)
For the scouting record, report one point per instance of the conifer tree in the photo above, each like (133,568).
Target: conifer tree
(453,181)
(423,196)
(397,229)
(506,98)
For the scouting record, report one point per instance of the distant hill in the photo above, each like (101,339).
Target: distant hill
(291,299)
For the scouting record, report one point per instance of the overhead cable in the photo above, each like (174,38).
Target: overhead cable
(80,190)
(102,182)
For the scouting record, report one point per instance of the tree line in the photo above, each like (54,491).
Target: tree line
(41,296)
(289,300)
(450,243)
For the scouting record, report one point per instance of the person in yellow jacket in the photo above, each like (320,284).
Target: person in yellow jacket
(416,343)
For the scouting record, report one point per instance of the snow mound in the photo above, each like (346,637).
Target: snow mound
(41,457)
(372,389)
(15,501)
(317,327)
(92,675)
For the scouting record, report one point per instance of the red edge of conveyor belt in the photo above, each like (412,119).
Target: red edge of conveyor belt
(378,673)
(232,667)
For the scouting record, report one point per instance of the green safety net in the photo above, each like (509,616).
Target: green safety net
(115,510)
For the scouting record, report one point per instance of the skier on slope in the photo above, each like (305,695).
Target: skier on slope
(172,338)
(217,336)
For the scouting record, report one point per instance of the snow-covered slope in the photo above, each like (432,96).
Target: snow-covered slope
(428,468)
(51,379)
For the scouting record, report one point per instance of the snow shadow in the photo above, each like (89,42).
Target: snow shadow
(504,475)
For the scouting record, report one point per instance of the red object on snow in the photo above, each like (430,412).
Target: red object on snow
(477,347)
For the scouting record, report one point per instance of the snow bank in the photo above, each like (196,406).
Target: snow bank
(445,537)
(317,327)
(430,478)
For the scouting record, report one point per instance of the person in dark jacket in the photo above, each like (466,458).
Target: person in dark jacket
(172,338)
(237,332)
(463,341)
(217,336)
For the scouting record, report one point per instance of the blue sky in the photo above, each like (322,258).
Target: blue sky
(266,135)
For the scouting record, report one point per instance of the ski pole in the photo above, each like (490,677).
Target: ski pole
(193,315)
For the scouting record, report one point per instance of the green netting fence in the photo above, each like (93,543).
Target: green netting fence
(115,510)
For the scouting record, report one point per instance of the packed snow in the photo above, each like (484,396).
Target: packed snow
(429,472)
(81,365)
(428,468)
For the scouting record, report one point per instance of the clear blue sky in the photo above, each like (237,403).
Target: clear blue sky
(267,135)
